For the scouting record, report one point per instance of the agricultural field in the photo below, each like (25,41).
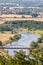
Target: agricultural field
(4,37)
(14,17)
(1,21)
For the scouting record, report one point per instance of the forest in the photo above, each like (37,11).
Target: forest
(31,25)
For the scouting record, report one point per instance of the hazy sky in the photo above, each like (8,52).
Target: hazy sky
(21,1)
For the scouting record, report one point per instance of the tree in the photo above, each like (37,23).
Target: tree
(12,30)
(21,58)
(38,56)
(0,43)
(39,40)
(34,15)
(3,60)
(23,16)
(34,45)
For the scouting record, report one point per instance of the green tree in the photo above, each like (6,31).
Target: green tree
(34,45)
(0,43)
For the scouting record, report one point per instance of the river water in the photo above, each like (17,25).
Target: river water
(23,42)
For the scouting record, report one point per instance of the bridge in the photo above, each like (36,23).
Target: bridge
(15,46)
(12,47)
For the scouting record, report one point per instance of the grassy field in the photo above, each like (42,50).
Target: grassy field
(36,31)
(40,32)
(1,21)
(14,17)
(4,37)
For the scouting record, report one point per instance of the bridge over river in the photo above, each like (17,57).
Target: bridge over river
(23,43)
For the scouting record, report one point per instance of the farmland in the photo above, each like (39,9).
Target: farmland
(7,37)
(14,17)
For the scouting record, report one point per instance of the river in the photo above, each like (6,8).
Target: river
(23,42)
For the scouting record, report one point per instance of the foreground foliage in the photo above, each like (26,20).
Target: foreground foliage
(20,58)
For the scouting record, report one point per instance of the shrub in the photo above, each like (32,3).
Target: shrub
(39,40)
(34,45)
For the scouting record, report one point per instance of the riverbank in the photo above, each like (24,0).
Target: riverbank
(7,37)
(38,32)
